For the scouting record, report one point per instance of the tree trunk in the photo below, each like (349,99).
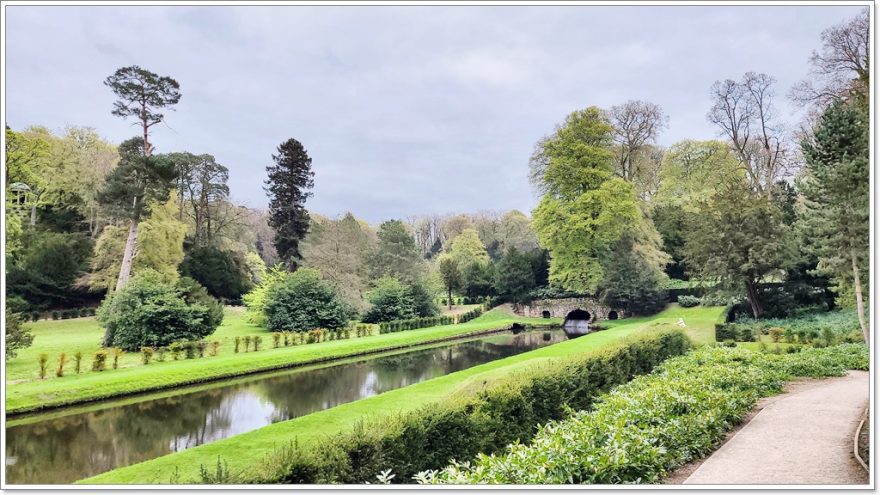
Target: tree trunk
(128,255)
(753,299)
(34,214)
(860,304)
(449,297)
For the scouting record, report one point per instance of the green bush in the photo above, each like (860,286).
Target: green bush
(470,315)
(656,423)
(688,301)
(390,300)
(77,361)
(149,311)
(147,354)
(56,315)
(18,336)
(223,273)
(302,301)
(99,361)
(44,364)
(476,420)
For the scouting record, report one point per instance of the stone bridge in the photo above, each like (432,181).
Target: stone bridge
(573,306)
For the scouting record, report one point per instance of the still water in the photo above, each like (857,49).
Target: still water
(62,448)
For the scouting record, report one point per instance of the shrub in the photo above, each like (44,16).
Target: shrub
(257,341)
(247,343)
(162,351)
(237,344)
(390,300)
(189,349)
(146,354)
(149,311)
(470,315)
(657,422)
(223,273)
(62,360)
(99,361)
(176,348)
(477,420)
(18,336)
(775,333)
(77,361)
(200,347)
(301,300)
(286,336)
(55,315)
(276,339)
(688,301)
(43,359)
(215,345)
(116,352)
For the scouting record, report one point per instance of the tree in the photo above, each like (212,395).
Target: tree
(468,249)
(452,227)
(142,95)
(202,183)
(585,208)
(137,182)
(450,275)
(340,249)
(836,191)
(631,281)
(390,300)
(224,274)
(841,70)
(741,240)
(302,301)
(49,264)
(743,111)
(160,240)
(288,185)
(18,336)
(514,276)
(636,126)
(152,311)
(396,255)
(477,279)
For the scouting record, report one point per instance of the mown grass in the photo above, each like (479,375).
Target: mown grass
(133,377)
(249,450)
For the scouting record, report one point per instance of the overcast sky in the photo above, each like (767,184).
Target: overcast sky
(404,110)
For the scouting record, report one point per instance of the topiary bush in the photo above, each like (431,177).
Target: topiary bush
(688,301)
(150,311)
(303,301)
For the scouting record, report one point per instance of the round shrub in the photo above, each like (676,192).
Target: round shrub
(390,300)
(302,301)
(688,301)
(223,273)
(150,311)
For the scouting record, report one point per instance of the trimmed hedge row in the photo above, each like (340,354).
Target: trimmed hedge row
(470,315)
(484,420)
(401,325)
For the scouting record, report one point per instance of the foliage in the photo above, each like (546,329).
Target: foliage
(467,248)
(290,179)
(656,422)
(478,279)
(390,300)
(450,274)
(303,301)
(514,276)
(17,335)
(414,323)
(151,311)
(396,254)
(48,267)
(484,420)
(223,273)
(632,280)
(805,329)
(688,301)
(256,299)
(469,315)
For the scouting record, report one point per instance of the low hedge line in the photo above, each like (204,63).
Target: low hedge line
(401,325)
(643,430)
(470,315)
(481,421)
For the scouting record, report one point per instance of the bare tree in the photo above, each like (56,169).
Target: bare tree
(744,112)
(636,125)
(841,69)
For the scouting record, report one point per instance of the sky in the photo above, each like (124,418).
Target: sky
(405,110)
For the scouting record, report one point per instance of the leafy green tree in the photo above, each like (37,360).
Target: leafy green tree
(256,299)
(201,183)
(585,208)
(288,185)
(142,95)
(137,182)
(396,255)
(18,336)
(740,238)
(467,249)
(152,311)
(631,282)
(514,276)
(477,279)
(302,301)
(449,274)
(423,299)
(390,300)
(837,197)
(223,274)
(23,151)
(49,265)
(160,240)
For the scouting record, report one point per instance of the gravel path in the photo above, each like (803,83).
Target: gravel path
(805,438)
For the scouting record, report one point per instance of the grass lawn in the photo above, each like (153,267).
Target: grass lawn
(26,392)
(247,451)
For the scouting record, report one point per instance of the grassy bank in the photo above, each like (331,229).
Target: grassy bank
(248,450)
(28,394)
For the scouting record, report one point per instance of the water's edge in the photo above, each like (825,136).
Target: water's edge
(16,413)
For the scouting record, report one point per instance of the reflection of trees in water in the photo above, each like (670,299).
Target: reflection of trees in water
(68,448)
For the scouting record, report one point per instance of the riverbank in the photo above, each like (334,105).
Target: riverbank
(40,395)
(246,451)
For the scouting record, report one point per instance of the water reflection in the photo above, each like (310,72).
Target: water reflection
(67,448)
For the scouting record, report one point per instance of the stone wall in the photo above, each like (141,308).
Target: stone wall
(560,308)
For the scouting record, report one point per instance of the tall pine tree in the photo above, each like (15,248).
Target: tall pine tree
(836,189)
(290,179)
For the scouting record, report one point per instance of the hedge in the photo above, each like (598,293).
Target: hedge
(401,325)
(485,420)
(470,315)
(643,430)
